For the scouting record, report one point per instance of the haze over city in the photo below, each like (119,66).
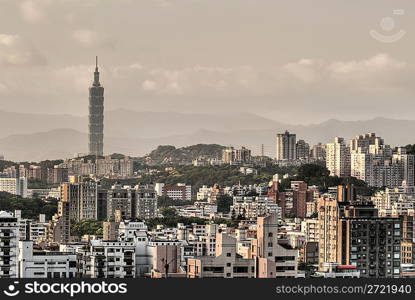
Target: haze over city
(294,62)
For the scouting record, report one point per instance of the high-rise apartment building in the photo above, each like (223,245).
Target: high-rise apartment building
(120,198)
(145,204)
(96,116)
(406,164)
(328,215)
(368,143)
(293,201)
(286,146)
(57,175)
(302,150)
(370,243)
(230,155)
(338,158)
(318,152)
(131,202)
(352,233)
(374,162)
(82,199)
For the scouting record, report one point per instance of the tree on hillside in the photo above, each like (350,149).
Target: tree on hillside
(87,226)
(224,203)
(169,212)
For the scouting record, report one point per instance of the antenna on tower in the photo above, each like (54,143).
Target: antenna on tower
(96,62)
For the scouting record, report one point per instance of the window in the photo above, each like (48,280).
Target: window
(285,268)
(284,258)
(213,269)
(228,254)
(240,269)
(39,273)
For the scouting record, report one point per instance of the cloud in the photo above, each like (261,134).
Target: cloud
(33,10)
(307,84)
(149,85)
(8,39)
(371,75)
(15,51)
(305,70)
(163,3)
(136,66)
(76,78)
(85,37)
(3,88)
(379,62)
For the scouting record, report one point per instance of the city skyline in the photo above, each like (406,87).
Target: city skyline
(293,74)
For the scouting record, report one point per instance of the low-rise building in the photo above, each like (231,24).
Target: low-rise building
(45,264)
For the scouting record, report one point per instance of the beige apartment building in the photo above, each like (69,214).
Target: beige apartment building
(329,238)
(274,259)
(226,264)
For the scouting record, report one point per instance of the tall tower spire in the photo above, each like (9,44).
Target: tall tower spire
(96,115)
(96,73)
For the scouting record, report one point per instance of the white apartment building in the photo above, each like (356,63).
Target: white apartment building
(102,259)
(198,209)
(136,233)
(338,158)
(45,264)
(15,186)
(394,202)
(9,239)
(253,207)
(38,230)
(30,229)
(310,227)
(373,162)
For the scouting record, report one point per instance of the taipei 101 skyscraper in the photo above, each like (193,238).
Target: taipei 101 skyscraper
(96,115)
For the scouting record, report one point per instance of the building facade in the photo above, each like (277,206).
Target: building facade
(286,146)
(96,116)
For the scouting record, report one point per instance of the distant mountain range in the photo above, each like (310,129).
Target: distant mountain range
(35,137)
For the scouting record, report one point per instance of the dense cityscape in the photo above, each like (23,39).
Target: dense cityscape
(342,209)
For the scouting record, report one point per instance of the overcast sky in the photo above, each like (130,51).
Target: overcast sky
(295,61)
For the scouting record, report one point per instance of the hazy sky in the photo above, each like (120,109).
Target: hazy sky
(294,61)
